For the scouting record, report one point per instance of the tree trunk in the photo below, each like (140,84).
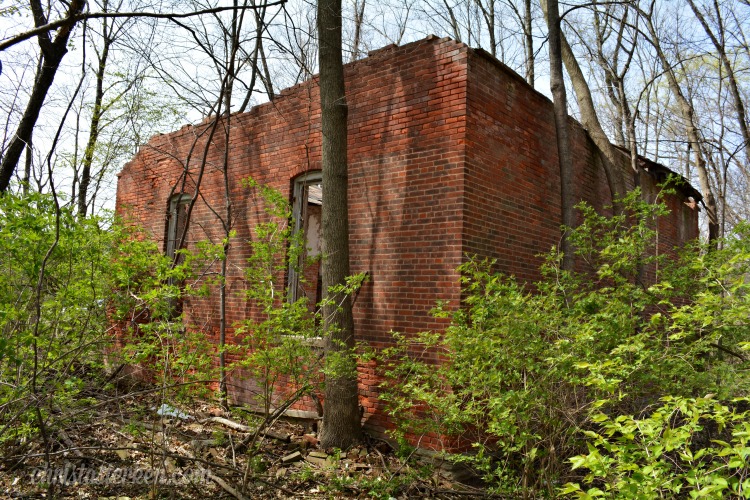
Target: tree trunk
(359,18)
(528,38)
(341,417)
(488,13)
(453,22)
(27,168)
(739,105)
(88,155)
(691,130)
(590,121)
(557,85)
(52,54)
(259,29)
(227,222)
(609,65)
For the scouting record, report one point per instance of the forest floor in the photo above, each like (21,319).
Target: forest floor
(128,443)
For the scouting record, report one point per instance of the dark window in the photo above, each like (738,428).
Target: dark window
(177,221)
(307,205)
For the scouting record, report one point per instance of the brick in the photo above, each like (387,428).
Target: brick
(450,153)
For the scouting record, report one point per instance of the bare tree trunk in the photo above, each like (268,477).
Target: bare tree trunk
(609,67)
(631,134)
(52,53)
(739,106)
(88,156)
(266,75)
(359,17)
(528,42)
(453,22)
(625,133)
(557,85)
(691,129)
(591,123)
(341,417)
(611,156)
(27,167)
(488,13)
(238,17)
(260,14)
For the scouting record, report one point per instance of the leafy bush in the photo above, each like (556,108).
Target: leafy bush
(527,370)
(150,289)
(688,446)
(281,346)
(277,346)
(54,283)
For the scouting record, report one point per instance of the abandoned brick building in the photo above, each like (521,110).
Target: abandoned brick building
(451,153)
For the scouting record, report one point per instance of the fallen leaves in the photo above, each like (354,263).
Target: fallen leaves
(139,446)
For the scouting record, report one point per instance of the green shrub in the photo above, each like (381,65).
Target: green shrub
(54,285)
(277,346)
(694,447)
(527,371)
(150,289)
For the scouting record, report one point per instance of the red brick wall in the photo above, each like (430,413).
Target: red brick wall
(512,184)
(449,152)
(406,125)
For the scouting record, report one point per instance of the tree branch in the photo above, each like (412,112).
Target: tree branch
(70,20)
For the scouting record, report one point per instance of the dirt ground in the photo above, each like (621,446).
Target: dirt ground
(133,444)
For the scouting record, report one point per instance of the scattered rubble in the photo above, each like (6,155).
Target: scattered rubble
(126,450)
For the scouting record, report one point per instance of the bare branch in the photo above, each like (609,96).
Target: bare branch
(71,20)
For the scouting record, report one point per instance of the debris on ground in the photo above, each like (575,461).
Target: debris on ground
(126,450)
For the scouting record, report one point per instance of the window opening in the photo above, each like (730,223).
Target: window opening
(178,208)
(307,204)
